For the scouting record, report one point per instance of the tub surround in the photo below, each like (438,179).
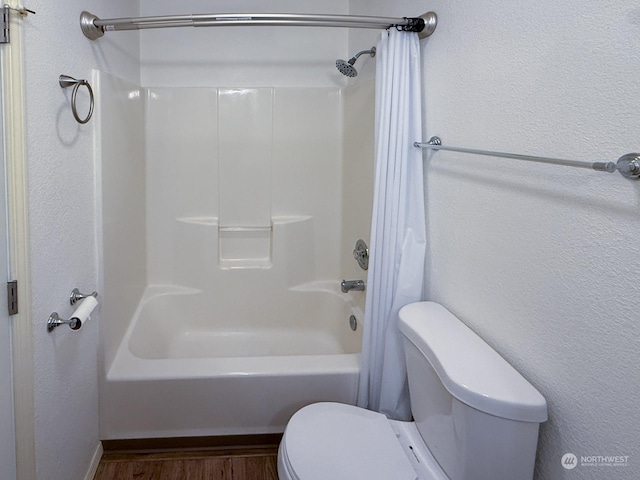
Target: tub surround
(243,206)
(237,277)
(232,163)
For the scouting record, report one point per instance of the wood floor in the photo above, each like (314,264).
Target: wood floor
(230,464)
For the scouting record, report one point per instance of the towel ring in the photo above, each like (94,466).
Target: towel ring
(67,81)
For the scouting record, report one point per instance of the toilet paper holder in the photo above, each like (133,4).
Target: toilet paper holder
(76,296)
(75,322)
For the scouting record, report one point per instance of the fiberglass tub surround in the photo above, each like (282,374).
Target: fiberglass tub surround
(231,316)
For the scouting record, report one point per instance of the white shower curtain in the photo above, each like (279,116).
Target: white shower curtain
(398,243)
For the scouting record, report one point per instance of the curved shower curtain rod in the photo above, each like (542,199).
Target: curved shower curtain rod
(94,27)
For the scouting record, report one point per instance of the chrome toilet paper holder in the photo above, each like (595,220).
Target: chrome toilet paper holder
(76,296)
(55,321)
(74,322)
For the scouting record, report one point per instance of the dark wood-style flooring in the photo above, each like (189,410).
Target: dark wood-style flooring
(219,464)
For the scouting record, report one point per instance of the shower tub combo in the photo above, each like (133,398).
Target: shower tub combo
(221,310)
(205,361)
(174,376)
(225,224)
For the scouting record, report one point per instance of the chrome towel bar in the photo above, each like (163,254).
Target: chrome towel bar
(628,165)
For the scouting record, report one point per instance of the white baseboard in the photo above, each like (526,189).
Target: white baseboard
(95,461)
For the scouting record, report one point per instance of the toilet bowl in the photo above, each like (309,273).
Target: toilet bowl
(352,443)
(475,416)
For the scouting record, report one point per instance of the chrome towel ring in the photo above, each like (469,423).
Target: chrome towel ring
(66,82)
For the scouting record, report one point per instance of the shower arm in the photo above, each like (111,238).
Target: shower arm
(371,52)
(94,27)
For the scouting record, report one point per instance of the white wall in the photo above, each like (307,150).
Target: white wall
(243,56)
(541,261)
(62,228)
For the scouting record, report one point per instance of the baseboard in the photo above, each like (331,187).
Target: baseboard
(95,462)
(192,443)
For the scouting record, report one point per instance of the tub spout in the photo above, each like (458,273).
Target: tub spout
(348,285)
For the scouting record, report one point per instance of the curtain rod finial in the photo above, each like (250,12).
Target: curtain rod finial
(88,27)
(430,23)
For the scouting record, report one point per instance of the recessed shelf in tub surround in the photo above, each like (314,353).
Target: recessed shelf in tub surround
(252,247)
(244,247)
(214,221)
(239,246)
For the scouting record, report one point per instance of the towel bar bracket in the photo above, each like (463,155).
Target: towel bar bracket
(629,165)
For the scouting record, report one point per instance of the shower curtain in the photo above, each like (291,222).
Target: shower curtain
(398,237)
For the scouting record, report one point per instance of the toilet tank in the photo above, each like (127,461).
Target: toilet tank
(477,415)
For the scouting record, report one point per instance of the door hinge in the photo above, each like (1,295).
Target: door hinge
(4,28)
(12,297)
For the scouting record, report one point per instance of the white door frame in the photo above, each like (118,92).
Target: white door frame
(7,420)
(13,112)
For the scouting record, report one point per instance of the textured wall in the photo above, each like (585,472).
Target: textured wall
(62,227)
(541,261)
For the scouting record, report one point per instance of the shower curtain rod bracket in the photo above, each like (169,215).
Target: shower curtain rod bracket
(430,23)
(88,27)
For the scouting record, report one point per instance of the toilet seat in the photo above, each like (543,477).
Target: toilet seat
(342,442)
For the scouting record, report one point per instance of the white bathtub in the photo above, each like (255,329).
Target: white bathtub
(183,371)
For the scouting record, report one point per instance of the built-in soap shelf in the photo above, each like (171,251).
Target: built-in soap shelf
(243,247)
(204,221)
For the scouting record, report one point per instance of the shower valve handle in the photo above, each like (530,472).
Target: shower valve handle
(361,254)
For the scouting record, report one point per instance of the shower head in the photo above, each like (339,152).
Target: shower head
(347,68)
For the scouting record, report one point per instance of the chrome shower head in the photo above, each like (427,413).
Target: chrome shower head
(347,68)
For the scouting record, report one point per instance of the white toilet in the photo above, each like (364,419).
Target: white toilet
(476,417)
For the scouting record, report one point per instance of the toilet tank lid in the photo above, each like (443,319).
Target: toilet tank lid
(469,368)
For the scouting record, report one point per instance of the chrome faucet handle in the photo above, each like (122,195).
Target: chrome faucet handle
(361,254)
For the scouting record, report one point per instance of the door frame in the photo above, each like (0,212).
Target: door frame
(7,416)
(11,63)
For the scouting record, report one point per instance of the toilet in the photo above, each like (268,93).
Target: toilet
(475,416)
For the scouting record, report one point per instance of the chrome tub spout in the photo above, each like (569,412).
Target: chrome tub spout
(347,285)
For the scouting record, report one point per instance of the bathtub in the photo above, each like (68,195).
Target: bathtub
(180,372)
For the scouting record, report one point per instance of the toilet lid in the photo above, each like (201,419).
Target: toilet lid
(336,441)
